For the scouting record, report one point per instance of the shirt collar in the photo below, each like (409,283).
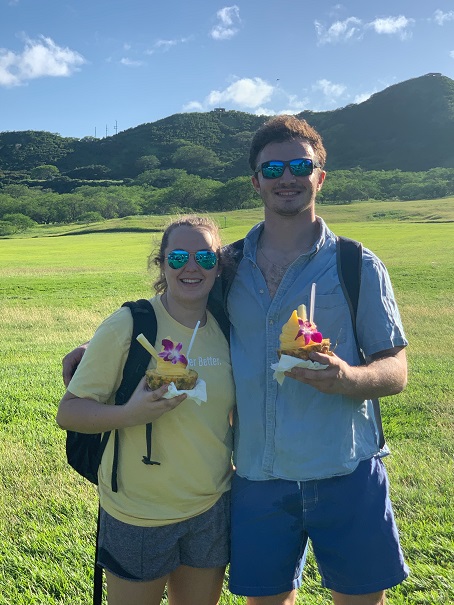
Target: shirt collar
(252,238)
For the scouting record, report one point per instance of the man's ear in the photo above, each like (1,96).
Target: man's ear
(255,183)
(321,179)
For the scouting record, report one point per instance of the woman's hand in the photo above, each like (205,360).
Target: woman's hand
(145,406)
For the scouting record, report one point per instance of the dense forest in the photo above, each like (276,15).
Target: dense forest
(399,144)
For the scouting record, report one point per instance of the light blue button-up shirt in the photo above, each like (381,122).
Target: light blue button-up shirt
(292,431)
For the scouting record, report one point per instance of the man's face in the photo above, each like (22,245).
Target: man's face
(288,195)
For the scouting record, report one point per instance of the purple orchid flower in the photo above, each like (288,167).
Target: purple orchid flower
(307,330)
(172,352)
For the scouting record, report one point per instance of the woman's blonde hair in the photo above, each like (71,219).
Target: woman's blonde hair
(190,220)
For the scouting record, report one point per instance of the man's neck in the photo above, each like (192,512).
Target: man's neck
(287,234)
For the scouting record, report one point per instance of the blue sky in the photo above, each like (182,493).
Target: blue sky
(96,67)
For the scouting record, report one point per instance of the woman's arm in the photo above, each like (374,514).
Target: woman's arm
(90,416)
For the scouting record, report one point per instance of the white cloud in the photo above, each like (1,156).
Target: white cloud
(130,62)
(362,97)
(193,106)
(331,91)
(252,95)
(247,92)
(353,29)
(451,54)
(392,25)
(165,45)
(440,17)
(40,58)
(228,22)
(339,31)
(264,111)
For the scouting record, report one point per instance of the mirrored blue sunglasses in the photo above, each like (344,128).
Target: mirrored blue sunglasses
(207,259)
(274,169)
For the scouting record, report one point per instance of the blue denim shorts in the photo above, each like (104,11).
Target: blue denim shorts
(350,523)
(142,554)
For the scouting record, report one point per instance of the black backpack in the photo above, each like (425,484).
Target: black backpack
(84,451)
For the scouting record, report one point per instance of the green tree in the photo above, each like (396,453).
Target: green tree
(90,217)
(196,159)
(94,172)
(20,221)
(237,193)
(189,192)
(44,172)
(7,228)
(159,178)
(148,162)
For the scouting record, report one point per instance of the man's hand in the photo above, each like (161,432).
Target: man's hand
(71,361)
(385,373)
(333,379)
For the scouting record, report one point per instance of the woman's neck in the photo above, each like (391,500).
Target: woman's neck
(187,315)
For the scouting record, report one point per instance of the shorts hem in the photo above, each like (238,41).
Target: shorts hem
(264,591)
(136,580)
(366,588)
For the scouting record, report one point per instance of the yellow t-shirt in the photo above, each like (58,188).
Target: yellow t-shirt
(193,443)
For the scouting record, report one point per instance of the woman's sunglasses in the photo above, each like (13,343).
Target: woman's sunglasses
(274,169)
(206,259)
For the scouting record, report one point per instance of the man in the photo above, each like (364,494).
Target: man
(307,455)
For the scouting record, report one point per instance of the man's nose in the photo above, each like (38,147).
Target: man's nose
(287,176)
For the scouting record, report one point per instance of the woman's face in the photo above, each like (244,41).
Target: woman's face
(190,283)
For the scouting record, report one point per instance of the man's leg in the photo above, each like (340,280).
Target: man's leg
(285,598)
(373,598)
(268,542)
(354,536)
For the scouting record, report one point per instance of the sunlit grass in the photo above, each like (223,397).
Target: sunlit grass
(54,293)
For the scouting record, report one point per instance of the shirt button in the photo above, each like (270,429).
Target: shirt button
(271,322)
(261,291)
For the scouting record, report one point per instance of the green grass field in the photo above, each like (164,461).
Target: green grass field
(56,290)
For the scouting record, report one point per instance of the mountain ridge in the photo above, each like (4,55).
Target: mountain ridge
(407,126)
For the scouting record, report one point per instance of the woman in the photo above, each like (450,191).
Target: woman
(168,524)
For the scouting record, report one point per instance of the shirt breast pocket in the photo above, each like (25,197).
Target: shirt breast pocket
(332,316)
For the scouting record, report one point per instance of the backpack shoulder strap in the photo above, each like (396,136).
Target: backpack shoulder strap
(233,253)
(144,322)
(217,301)
(349,265)
(349,255)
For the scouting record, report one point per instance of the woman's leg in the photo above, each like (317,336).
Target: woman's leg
(195,585)
(125,592)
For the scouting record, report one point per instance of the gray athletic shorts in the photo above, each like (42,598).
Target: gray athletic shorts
(143,554)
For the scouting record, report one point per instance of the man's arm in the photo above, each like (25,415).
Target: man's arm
(71,361)
(384,373)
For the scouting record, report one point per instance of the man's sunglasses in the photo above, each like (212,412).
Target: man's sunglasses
(206,259)
(274,169)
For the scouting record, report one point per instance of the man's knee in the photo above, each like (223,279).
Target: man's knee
(284,598)
(373,598)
